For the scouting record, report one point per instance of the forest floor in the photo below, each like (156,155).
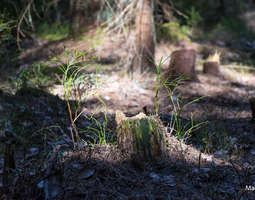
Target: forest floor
(214,162)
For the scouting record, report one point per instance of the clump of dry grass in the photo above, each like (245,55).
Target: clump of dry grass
(214,57)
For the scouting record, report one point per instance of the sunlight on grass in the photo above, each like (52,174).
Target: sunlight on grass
(52,32)
(173,31)
(94,40)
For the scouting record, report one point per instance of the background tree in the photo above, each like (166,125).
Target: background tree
(76,15)
(145,37)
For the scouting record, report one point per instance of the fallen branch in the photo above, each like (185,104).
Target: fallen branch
(19,32)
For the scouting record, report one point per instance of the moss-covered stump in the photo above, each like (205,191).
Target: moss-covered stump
(141,136)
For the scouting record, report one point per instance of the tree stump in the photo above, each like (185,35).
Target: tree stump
(252,104)
(211,68)
(182,64)
(141,137)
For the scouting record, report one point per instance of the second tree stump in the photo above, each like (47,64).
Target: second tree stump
(182,63)
(211,68)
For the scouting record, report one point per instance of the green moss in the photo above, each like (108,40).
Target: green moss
(143,137)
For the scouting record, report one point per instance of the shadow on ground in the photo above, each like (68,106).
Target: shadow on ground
(103,172)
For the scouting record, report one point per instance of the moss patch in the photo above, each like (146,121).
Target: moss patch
(141,136)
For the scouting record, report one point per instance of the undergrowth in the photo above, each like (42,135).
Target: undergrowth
(77,85)
(52,32)
(181,130)
(172,31)
(36,76)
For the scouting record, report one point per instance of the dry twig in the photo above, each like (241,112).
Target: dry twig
(19,31)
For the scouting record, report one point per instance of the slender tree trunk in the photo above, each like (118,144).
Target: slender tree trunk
(145,37)
(76,10)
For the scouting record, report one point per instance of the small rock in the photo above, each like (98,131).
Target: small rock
(49,109)
(107,98)
(87,173)
(40,185)
(169,180)
(195,170)
(220,153)
(32,152)
(231,55)
(246,164)
(47,118)
(85,123)
(220,43)
(206,169)
(232,139)
(27,123)
(77,165)
(252,152)
(69,128)
(154,176)
(251,92)
(54,144)
(208,158)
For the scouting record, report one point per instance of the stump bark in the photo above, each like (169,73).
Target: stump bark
(211,68)
(182,64)
(141,137)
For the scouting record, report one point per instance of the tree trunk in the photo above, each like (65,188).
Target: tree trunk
(76,10)
(145,37)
